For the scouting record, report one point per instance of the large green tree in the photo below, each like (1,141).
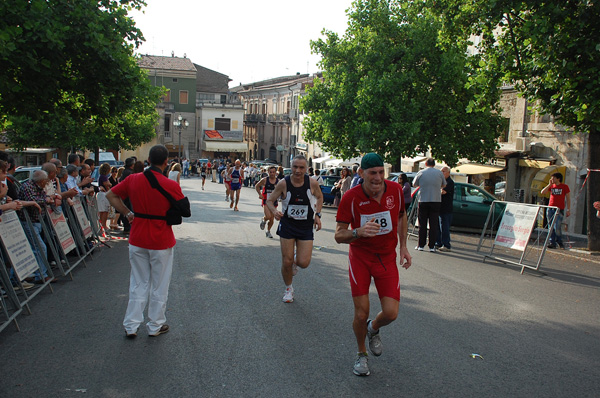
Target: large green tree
(68,76)
(394,85)
(551,51)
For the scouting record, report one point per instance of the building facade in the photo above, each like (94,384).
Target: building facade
(272,119)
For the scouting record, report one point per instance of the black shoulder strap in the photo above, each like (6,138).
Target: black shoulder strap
(154,184)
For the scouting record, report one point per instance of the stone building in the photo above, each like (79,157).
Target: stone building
(273,121)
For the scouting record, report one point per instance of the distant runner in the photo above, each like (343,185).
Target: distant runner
(264,188)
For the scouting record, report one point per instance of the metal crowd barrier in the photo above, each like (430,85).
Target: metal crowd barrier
(70,236)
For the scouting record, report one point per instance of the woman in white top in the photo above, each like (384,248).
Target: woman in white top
(175,173)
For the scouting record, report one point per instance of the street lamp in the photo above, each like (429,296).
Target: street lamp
(180,123)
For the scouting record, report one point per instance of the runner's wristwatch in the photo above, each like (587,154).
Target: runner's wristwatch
(318,214)
(355,233)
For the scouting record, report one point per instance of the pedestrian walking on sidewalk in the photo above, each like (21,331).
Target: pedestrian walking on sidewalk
(375,211)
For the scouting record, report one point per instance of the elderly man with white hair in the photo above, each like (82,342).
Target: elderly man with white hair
(33,196)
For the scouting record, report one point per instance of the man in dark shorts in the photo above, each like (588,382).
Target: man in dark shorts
(236,174)
(300,212)
(375,210)
(264,188)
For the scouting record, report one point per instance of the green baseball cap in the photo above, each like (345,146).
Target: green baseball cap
(371,160)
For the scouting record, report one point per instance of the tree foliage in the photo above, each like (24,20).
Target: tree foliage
(394,85)
(551,52)
(68,75)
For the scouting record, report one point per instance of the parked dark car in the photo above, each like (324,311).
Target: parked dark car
(326,185)
(471,206)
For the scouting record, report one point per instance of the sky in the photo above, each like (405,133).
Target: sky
(247,40)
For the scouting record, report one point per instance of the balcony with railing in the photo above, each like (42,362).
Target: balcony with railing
(255,118)
(280,118)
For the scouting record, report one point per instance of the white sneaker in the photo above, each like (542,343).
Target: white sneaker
(262,224)
(288,297)
(419,248)
(268,234)
(432,249)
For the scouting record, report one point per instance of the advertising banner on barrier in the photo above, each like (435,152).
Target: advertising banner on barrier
(59,223)
(81,217)
(516,226)
(17,246)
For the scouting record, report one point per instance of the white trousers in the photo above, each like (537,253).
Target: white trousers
(150,278)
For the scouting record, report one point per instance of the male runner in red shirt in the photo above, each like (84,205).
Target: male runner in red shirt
(375,210)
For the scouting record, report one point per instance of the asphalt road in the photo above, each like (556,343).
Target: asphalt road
(231,336)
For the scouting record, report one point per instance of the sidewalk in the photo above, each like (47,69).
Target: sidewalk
(575,248)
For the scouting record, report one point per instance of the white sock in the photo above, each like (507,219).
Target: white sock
(289,287)
(370,328)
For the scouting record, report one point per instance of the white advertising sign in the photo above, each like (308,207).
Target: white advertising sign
(81,217)
(59,223)
(17,246)
(516,226)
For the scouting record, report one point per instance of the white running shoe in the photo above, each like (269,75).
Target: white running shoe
(288,297)
(268,234)
(361,366)
(419,248)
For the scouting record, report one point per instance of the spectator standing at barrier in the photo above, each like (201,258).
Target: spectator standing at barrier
(151,244)
(129,162)
(175,173)
(443,240)
(406,190)
(33,197)
(431,181)
(356,178)
(560,195)
(114,180)
(6,202)
(73,172)
(186,168)
(375,212)
(104,186)
(86,179)
(138,167)
(11,183)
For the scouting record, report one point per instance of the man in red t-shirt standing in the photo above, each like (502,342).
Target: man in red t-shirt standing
(559,197)
(375,210)
(151,243)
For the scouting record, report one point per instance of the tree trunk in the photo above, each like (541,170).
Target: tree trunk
(593,190)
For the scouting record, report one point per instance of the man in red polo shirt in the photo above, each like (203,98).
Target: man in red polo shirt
(151,243)
(375,211)
(560,196)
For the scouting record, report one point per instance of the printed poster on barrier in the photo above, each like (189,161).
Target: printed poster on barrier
(17,246)
(516,226)
(82,218)
(59,223)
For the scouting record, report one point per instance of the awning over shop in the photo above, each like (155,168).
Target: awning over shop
(351,162)
(475,168)
(542,178)
(416,159)
(33,151)
(536,164)
(333,162)
(224,146)
(321,160)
